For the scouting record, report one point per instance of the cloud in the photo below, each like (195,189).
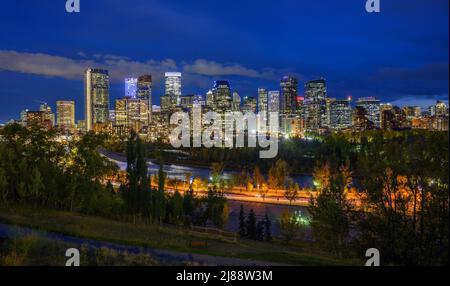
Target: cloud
(211,68)
(199,72)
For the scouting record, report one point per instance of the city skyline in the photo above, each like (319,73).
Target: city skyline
(379,57)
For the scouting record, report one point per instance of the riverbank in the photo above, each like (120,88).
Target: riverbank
(164,238)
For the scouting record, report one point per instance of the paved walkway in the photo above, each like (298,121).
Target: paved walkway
(164,256)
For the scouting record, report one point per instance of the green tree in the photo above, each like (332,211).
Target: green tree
(289,226)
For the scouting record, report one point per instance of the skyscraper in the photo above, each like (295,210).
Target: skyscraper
(263,100)
(249,105)
(373,109)
(340,114)
(96,97)
(222,95)
(131,85)
(236,105)
(173,87)
(289,93)
(274,101)
(144,92)
(48,113)
(315,105)
(65,114)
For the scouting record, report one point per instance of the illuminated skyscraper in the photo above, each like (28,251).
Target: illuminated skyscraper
(144,92)
(315,105)
(173,87)
(289,93)
(249,104)
(222,95)
(274,101)
(96,97)
(48,113)
(340,114)
(131,85)
(65,114)
(263,100)
(236,105)
(373,109)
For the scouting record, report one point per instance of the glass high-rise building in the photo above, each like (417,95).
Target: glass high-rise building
(263,100)
(65,114)
(173,87)
(373,109)
(289,93)
(249,104)
(274,101)
(222,95)
(315,105)
(236,105)
(96,97)
(131,85)
(340,114)
(144,92)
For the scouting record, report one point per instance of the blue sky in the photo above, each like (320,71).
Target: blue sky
(399,55)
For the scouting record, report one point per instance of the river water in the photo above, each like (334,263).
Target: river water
(273,211)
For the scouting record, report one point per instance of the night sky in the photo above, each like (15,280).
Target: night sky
(399,55)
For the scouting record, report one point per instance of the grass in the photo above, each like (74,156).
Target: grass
(164,238)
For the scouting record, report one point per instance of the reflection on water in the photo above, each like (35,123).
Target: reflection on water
(273,211)
(179,172)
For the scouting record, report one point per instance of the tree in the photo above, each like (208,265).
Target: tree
(161,177)
(289,226)
(330,216)
(267,228)
(251,225)
(242,223)
(36,186)
(3,186)
(278,175)
(292,192)
(322,176)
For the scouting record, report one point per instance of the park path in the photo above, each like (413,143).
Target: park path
(163,256)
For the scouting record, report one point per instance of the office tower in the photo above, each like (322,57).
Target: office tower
(65,114)
(289,93)
(439,110)
(81,125)
(121,112)
(166,104)
(315,105)
(38,118)
(187,101)
(48,113)
(96,97)
(412,112)
(372,107)
(249,104)
(386,116)
(173,87)
(274,101)
(263,100)
(222,96)
(144,92)
(210,100)
(23,117)
(360,121)
(340,114)
(236,104)
(131,85)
